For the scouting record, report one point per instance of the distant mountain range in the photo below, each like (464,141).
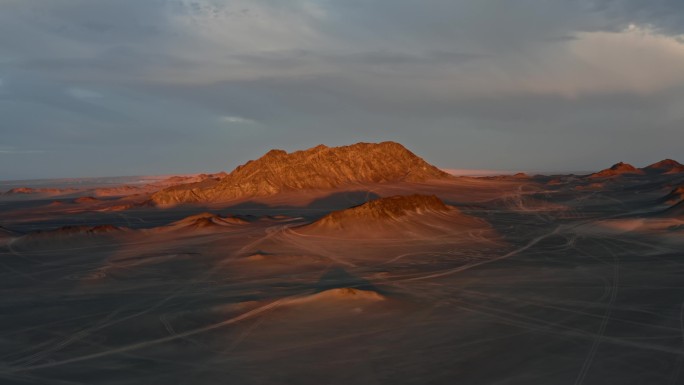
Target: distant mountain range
(666,166)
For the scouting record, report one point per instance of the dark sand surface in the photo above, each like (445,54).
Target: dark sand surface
(557,281)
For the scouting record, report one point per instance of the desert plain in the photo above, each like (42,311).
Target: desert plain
(360,264)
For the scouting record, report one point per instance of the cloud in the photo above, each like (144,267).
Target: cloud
(479,46)
(237,120)
(16,151)
(446,77)
(81,93)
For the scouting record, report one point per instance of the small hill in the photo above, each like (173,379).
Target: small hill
(341,294)
(617,170)
(411,216)
(320,167)
(206,220)
(384,209)
(87,199)
(666,166)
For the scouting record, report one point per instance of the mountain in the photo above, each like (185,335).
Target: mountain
(617,169)
(666,166)
(320,167)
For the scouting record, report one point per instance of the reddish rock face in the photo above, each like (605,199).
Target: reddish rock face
(320,167)
(617,169)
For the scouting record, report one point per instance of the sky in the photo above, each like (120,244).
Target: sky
(141,87)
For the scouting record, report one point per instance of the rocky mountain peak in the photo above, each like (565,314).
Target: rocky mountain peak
(320,167)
